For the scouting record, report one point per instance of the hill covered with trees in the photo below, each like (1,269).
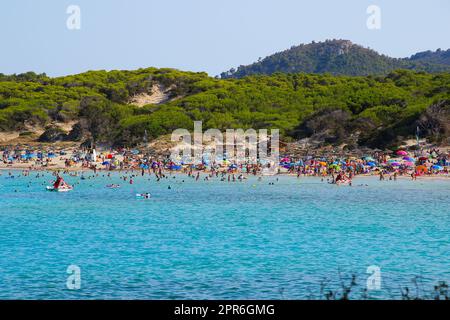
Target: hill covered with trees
(340,57)
(375,111)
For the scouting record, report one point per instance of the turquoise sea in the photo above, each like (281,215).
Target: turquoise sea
(220,240)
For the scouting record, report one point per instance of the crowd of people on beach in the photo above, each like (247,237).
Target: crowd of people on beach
(339,169)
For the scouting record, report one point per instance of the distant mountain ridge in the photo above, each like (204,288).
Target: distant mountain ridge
(341,57)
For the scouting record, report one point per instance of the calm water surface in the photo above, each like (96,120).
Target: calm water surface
(220,240)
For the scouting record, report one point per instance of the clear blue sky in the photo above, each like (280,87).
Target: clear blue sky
(203,35)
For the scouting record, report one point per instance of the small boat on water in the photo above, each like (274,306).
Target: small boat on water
(60,186)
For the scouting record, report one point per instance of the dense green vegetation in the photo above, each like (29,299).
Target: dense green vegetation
(372,110)
(340,57)
(438,57)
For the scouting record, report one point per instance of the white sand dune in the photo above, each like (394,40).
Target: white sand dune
(159,95)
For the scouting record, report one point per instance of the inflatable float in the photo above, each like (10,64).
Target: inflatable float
(59,189)
(60,186)
(344,182)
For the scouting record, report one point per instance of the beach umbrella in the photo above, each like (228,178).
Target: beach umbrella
(372,164)
(408,159)
(436,167)
(369,159)
(395,164)
(409,164)
(423,158)
(422,168)
(335,166)
(105,163)
(402,153)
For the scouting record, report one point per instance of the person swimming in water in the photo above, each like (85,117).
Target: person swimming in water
(144,195)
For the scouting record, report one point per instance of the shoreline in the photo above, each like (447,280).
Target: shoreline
(179,173)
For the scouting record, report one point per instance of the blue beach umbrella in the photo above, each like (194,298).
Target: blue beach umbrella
(436,167)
